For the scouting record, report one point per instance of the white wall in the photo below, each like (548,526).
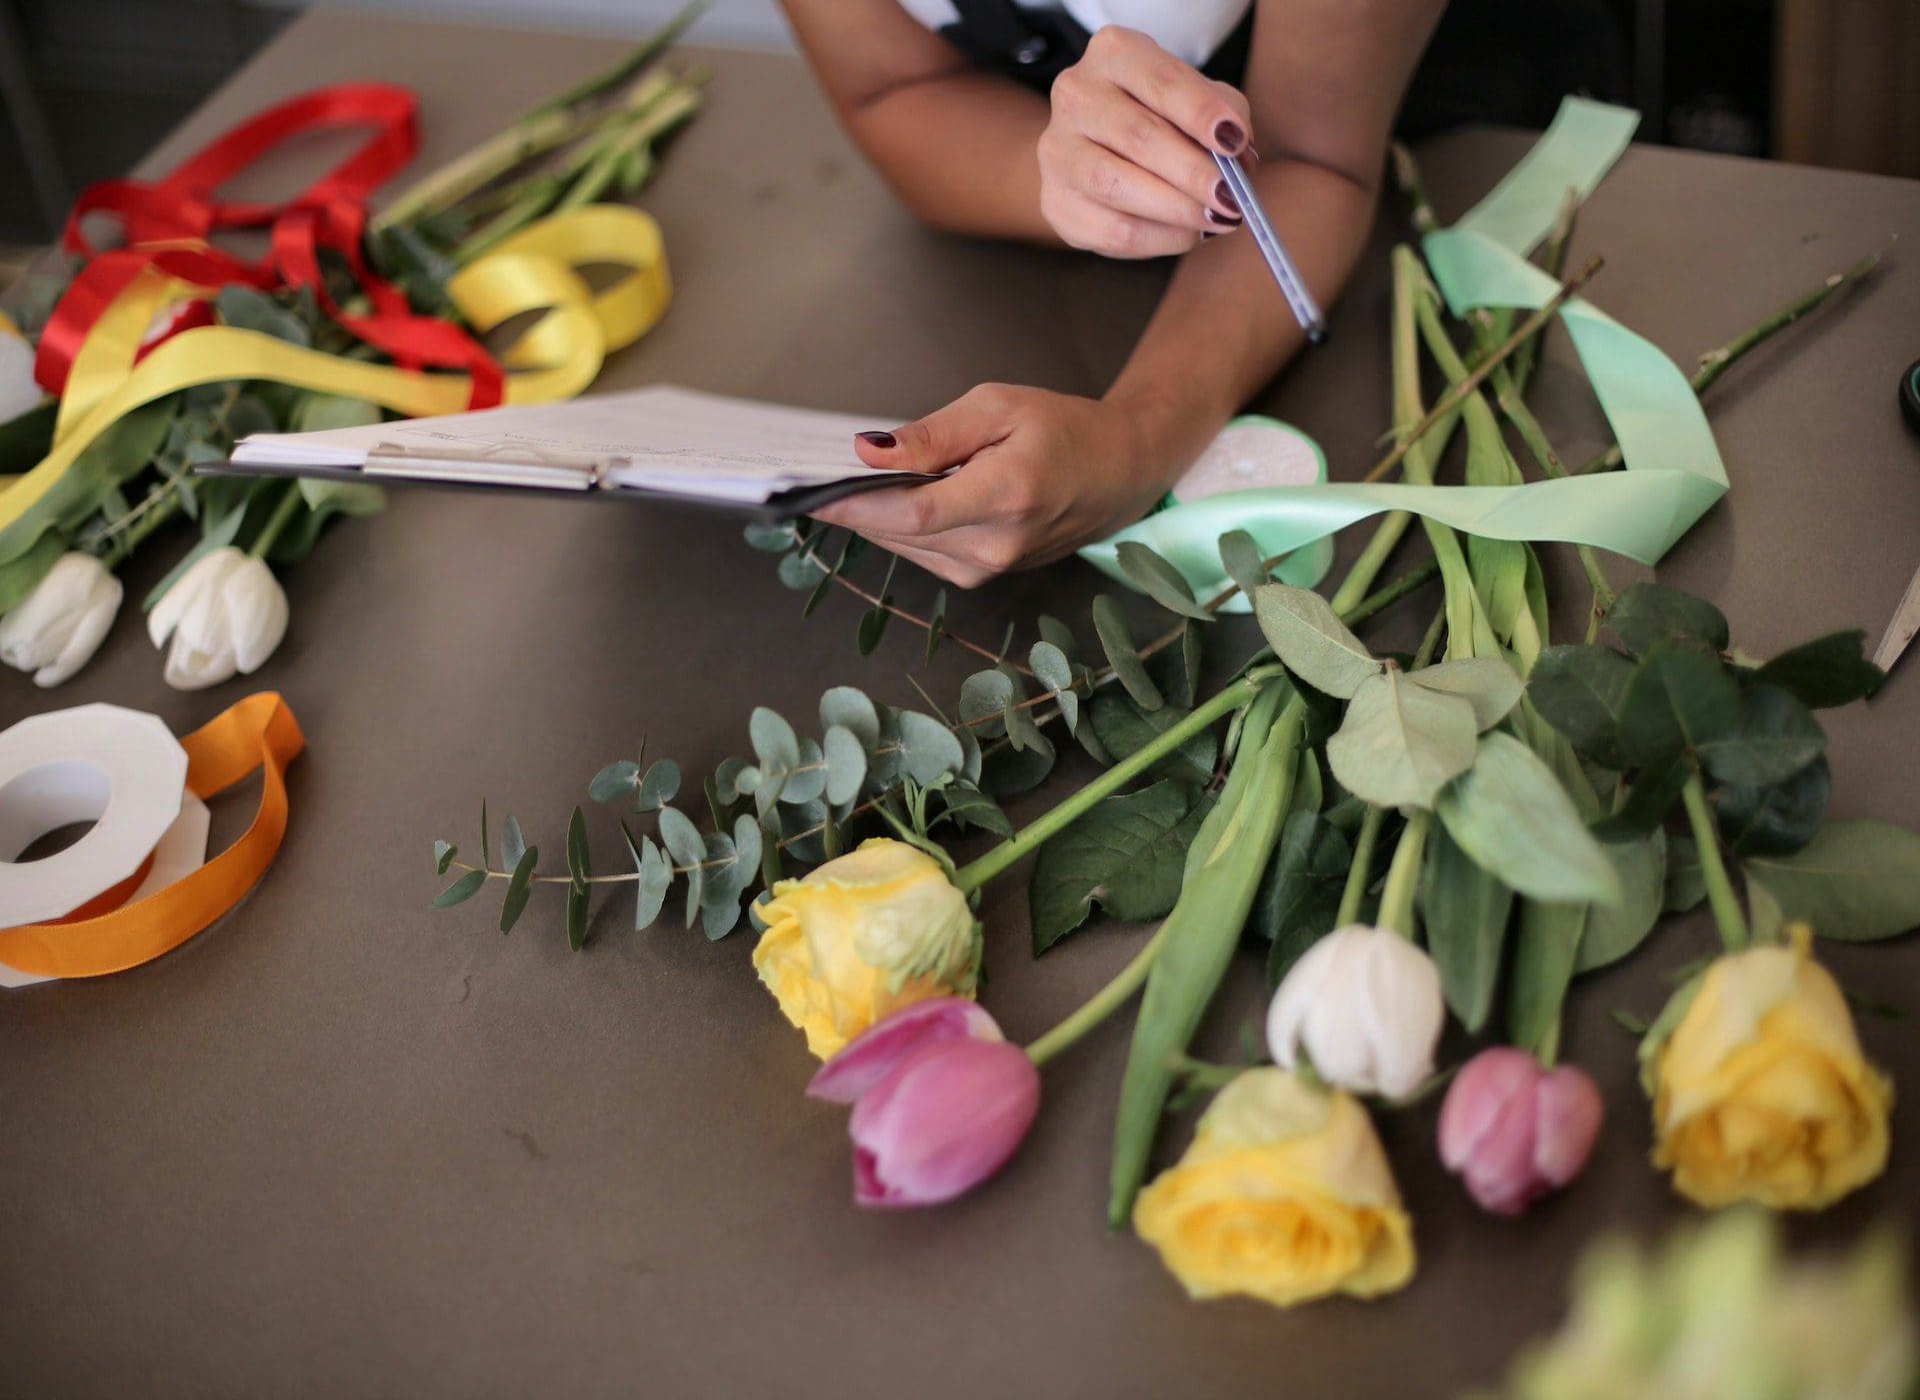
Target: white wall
(749,23)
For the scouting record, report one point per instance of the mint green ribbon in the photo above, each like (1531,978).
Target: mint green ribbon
(1673,469)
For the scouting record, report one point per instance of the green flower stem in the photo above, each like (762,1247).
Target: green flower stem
(282,516)
(1734,933)
(1102,1003)
(152,517)
(1403,876)
(1355,889)
(976,873)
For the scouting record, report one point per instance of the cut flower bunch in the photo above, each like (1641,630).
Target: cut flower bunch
(1406,841)
(125,368)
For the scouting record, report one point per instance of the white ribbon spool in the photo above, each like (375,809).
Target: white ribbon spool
(117,768)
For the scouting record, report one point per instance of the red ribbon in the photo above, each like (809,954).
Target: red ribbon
(330,215)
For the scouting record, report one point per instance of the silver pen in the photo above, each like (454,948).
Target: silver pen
(1299,300)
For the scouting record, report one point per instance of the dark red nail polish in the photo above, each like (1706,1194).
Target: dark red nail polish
(1225,196)
(1229,137)
(877,439)
(1222,219)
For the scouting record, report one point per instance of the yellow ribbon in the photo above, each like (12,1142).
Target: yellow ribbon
(536,270)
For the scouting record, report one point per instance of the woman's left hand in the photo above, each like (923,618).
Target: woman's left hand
(1039,474)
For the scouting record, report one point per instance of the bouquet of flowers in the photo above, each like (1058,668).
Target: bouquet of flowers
(1455,834)
(124,368)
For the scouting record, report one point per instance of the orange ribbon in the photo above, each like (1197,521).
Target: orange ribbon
(257,732)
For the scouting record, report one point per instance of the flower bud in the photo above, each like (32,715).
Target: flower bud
(861,936)
(56,629)
(1515,1131)
(227,613)
(940,1102)
(1364,1006)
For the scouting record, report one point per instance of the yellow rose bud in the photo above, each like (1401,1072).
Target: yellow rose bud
(862,936)
(1284,1195)
(1761,1092)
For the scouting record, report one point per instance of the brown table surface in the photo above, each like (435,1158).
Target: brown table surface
(338,1145)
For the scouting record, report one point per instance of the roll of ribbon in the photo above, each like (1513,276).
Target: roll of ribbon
(134,886)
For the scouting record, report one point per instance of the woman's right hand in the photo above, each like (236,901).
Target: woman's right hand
(1125,168)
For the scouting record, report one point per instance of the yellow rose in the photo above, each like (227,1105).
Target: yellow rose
(1761,1092)
(862,936)
(1284,1195)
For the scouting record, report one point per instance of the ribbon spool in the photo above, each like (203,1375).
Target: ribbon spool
(138,882)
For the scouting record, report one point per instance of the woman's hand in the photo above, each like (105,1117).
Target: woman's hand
(1125,168)
(1040,475)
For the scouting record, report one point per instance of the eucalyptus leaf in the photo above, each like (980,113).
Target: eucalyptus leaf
(579,901)
(461,890)
(660,785)
(774,742)
(936,624)
(1125,853)
(771,536)
(846,765)
(873,626)
(1856,880)
(443,855)
(579,866)
(689,850)
(802,570)
(1488,684)
(1401,744)
(1050,665)
(984,697)
(852,710)
(519,889)
(1648,615)
(1465,911)
(617,779)
(1511,815)
(1158,579)
(513,843)
(1311,640)
(1828,671)
(930,749)
(1116,639)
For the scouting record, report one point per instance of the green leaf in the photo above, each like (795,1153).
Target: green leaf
(931,749)
(1465,912)
(215,533)
(1510,814)
(1828,671)
(579,867)
(846,765)
(1679,699)
(802,570)
(486,842)
(1488,684)
(519,889)
(443,855)
(120,453)
(873,626)
(970,807)
(1647,615)
(315,412)
(1779,819)
(1123,728)
(1686,885)
(1158,579)
(1008,771)
(1773,737)
(1125,853)
(688,849)
(1058,634)
(1051,667)
(771,536)
(1546,946)
(247,309)
(850,708)
(1311,640)
(1614,930)
(579,900)
(26,438)
(513,844)
(1855,880)
(461,890)
(1241,557)
(1110,624)
(617,779)
(984,697)
(1400,744)
(1578,690)
(936,624)
(19,577)
(660,785)
(1299,897)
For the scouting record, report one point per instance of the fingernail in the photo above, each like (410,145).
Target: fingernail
(1225,196)
(1254,152)
(1222,220)
(1229,137)
(876,439)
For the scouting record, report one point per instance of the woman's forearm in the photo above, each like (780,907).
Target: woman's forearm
(1222,330)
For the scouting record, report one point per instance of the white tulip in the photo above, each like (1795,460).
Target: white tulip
(18,390)
(1364,1005)
(225,614)
(55,629)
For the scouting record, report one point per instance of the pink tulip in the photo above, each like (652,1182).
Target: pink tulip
(940,1102)
(1515,1131)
